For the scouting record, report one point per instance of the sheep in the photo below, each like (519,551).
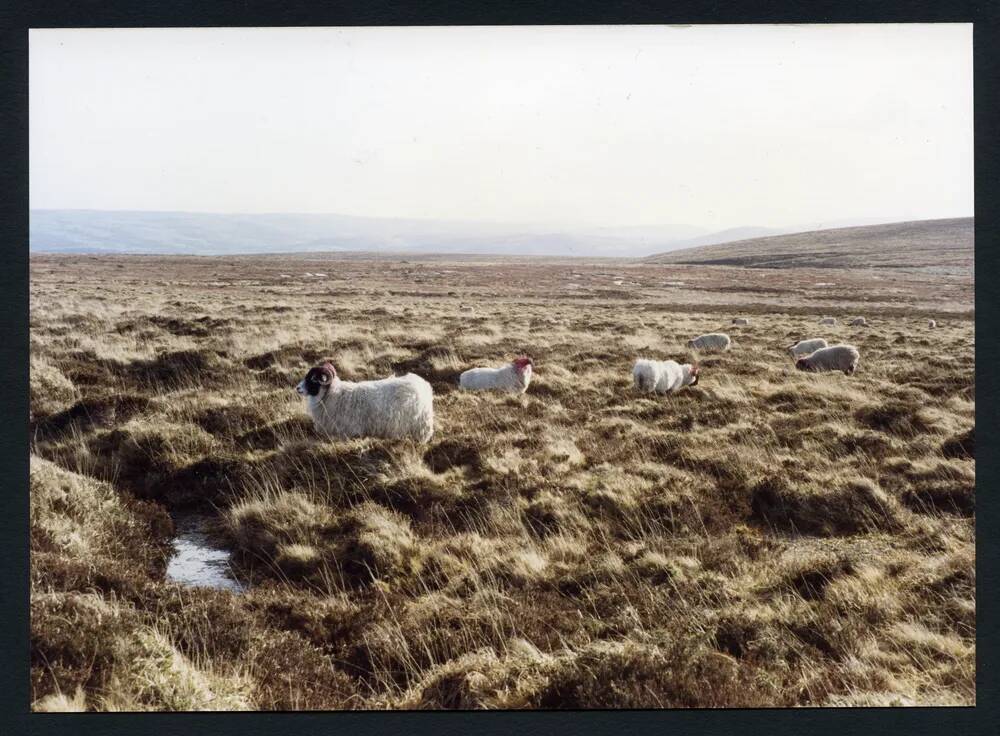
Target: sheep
(515,376)
(858,322)
(834,358)
(828,321)
(663,376)
(399,407)
(715,341)
(805,347)
(741,322)
(931,324)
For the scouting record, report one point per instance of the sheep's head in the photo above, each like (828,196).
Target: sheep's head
(317,381)
(690,344)
(693,371)
(803,364)
(522,366)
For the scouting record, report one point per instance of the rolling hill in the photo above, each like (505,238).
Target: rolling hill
(204,233)
(946,246)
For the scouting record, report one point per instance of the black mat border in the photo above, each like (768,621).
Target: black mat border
(16,17)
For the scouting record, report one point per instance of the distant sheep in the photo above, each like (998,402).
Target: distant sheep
(715,341)
(931,323)
(401,407)
(741,322)
(834,358)
(515,376)
(805,347)
(858,322)
(828,321)
(663,376)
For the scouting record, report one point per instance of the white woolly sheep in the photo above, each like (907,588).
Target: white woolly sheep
(834,358)
(399,407)
(741,322)
(715,341)
(805,347)
(828,321)
(931,323)
(515,376)
(663,376)
(858,322)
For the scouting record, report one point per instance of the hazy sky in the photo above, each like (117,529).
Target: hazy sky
(716,126)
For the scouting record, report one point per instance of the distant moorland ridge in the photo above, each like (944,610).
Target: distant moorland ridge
(924,244)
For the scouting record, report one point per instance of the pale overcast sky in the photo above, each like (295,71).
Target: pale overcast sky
(714,126)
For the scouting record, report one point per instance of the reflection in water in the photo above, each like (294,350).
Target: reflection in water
(196,560)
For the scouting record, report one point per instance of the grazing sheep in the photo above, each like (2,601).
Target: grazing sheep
(931,323)
(858,322)
(715,341)
(663,376)
(828,321)
(394,408)
(834,358)
(515,376)
(805,347)
(741,322)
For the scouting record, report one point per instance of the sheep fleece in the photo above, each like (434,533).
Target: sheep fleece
(661,376)
(503,379)
(394,408)
(715,341)
(805,347)
(834,358)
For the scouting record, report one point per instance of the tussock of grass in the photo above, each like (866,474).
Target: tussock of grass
(766,538)
(51,390)
(150,674)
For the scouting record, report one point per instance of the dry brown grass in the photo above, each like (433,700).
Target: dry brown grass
(767,538)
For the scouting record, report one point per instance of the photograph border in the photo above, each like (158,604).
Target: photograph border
(18,17)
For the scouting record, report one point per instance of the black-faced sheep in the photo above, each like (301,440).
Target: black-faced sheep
(395,408)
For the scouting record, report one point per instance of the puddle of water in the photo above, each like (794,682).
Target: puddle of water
(196,560)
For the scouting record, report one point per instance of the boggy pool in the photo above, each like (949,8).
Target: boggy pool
(196,560)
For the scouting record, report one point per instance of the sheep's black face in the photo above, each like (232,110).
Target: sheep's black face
(317,381)
(803,365)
